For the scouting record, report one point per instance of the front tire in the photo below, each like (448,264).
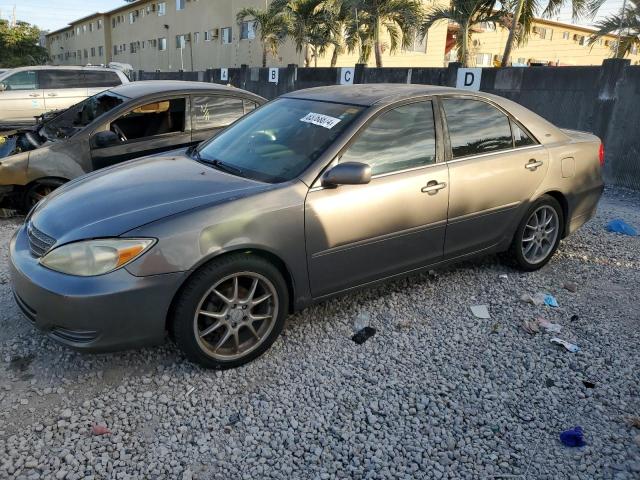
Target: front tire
(538,235)
(230,311)
(38,190)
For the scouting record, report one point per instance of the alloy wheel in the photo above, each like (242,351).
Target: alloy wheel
(236,315)
(540,234)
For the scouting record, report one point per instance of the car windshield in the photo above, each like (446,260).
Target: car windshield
(280,140)
(80,115)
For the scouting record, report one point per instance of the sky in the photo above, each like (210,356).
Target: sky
(55,14)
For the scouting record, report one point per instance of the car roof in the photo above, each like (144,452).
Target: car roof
(147,87)
(370,93)
(63,67)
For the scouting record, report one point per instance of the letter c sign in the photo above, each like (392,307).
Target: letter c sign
(345,76)
(469,78)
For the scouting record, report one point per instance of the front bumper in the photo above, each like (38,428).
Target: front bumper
(103,313)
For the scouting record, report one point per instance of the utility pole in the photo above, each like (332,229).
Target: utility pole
(624,11)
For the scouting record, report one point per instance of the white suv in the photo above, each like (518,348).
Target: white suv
(28,92)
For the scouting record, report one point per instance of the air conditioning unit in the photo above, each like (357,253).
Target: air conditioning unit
(215,32)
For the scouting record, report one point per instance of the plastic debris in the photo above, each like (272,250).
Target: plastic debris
(233,419)
(573,437)
(620,226)
(575,318)
(190,391)
(537,299)
(363,335)
(503,276)
(550,300)
(634,421)
(588,384)
(363,319)
(569,346)
(495,328)
(480,311)
(99,429)
(571,286)
(548,326)
(530,326)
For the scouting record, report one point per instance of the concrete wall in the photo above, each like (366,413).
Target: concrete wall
(604,100)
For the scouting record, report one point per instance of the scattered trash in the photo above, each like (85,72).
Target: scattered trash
(549,383)
(575,318)
(620,226)
(571,286)
(530,326)
(503,276)
(634,421)
(573,437)
(233,419)
(588,384)
(548,326)
(8,213)
(99,429)
(550,300)
(363,335)
(495,328)
(190,391)
(362,320)
(569,346)
(480,311)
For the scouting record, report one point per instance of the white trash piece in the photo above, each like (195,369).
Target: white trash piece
(569,346)
(480,311)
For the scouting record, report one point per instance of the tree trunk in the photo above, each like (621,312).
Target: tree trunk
(512,34)
(315,57)
(264,55)
(376,44)
(307,55)
(334,56)
(464,55)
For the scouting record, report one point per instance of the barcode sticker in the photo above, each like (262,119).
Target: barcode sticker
(321,120)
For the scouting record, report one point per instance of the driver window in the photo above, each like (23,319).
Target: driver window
(21,81)
(156,118)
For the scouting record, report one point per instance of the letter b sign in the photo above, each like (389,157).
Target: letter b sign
(273,75)
(469,78)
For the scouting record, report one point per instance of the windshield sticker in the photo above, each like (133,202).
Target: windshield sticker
(321,120)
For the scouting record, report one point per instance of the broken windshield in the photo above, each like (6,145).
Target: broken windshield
(80,115)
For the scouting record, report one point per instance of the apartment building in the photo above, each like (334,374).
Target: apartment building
(171,35)
(550,43)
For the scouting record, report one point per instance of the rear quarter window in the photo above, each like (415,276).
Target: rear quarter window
(101,79)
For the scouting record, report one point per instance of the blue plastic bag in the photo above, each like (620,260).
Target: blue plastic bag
(550,300)
(620,226)
(573,437)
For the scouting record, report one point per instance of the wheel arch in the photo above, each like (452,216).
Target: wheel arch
(564,203)
(271,257)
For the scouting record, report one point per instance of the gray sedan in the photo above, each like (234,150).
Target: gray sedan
(314,194)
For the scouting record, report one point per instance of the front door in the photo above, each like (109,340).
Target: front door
(21,99)
(151,128)
(495,168)
(359,233)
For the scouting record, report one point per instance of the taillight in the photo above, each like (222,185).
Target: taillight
(601,154)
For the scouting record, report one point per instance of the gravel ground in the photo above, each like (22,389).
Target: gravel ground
(436,393)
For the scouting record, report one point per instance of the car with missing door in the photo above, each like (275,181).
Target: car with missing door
(26,93)
(122,123)
(314,194)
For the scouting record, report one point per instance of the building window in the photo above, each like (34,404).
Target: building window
(226,35)
(86,53)
(78,30)
(132,47)
(248,30)
(162,44)
(207,36)
(565,35)
(91,27)
(196,37)
(93,51)
(84,29)
(181,41)
(113,23)
(101,51)
(418,43)
(99,24)
(179,4)
(483,59)
(162,8)
(115,49)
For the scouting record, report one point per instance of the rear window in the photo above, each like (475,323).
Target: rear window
(101,79)
(55,79)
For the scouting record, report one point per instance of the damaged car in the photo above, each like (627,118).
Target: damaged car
(123,123)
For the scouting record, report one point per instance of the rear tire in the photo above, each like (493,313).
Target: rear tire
(538,235)
(230,311)
(37,191)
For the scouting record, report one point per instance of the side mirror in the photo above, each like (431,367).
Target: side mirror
(348,173)
(105,139)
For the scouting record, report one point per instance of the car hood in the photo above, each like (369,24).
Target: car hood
(115,200)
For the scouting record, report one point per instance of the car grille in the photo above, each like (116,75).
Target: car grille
(39,242)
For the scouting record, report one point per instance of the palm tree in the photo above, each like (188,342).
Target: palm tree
(272,27)
(307,25)
(338,15)
(465,14)
(398,18)
(628,22)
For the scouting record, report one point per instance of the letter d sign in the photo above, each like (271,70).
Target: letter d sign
(469,78)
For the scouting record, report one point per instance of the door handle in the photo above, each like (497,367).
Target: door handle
(533,164)
(433,187)
(34,95)
(52,94)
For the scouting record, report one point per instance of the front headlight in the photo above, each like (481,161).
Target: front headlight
(95,257)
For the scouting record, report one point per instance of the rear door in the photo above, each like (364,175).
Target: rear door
(495,167)
(22,98)
(97,81)
(62,88)
(152,127)
(212,113)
